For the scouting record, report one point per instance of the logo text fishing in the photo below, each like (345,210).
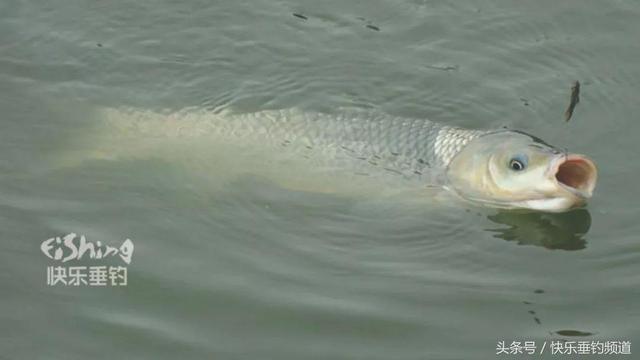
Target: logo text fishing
(76,250)
(74,247)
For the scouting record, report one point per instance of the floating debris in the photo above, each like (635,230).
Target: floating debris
(300,16)
(573,333)
(533,313)
(575,99)
(369,25)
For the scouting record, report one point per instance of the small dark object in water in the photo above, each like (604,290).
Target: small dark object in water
(538,291)
(99,45)
(300,16)
(573,333)
(373,27)
(575,99)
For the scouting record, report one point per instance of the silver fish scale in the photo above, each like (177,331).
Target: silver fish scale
(401,144)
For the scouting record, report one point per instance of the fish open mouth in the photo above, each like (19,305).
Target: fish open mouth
(577,174)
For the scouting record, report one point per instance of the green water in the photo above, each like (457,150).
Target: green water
(248,267)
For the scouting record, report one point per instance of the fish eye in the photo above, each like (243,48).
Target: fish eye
(518,163)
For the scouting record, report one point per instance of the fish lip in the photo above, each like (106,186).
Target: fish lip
(575,174)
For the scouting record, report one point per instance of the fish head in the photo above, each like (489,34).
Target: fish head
(514,170)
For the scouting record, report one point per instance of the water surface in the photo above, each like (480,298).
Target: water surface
(249,267)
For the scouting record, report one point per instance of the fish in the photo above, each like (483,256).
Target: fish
(514,170)
(575,99)
(497,168)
